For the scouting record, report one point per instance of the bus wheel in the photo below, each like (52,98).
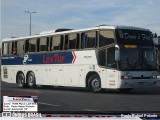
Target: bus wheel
(21,80)
(125,90)
(31,80)
(95,83)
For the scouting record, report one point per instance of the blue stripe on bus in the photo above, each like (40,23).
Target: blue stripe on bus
(40,58)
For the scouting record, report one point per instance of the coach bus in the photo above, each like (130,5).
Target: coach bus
(101,57)
(156,41)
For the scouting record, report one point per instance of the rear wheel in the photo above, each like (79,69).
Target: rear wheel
(31,80)
(94,83)
(21,80)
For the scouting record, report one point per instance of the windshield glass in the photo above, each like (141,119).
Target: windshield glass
(133,57)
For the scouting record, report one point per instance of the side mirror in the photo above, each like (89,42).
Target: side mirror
(117,55)
(157,58)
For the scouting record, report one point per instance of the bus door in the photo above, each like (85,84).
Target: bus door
(112,73)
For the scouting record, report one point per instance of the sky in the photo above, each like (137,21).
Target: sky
(75,14)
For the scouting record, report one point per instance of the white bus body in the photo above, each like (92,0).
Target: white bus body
(79,67)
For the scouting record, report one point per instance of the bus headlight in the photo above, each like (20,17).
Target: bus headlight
(154,76)
(126,77)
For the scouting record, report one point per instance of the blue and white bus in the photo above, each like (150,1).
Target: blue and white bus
(101,57)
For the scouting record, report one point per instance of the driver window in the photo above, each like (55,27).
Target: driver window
(111,63)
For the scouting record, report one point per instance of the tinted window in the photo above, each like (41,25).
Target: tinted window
(106,38)
(66,42)
(72,41)
(90,39)
(57,43)
(111,63)
(102,57)
(82,40)
(77,42)
(42,43)
(5,48)
(10,47)
(26,46)
(32,45)
(20,47)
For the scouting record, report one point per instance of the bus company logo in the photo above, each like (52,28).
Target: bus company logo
(55,58)
(25,59)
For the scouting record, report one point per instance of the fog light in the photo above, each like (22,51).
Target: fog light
(154,76)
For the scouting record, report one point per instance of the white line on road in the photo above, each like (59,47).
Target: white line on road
(33,91)
(89,110)
(48,104)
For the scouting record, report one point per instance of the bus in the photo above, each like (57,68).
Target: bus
(156,41)
(101,57)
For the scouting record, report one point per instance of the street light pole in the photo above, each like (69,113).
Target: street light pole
(30,15)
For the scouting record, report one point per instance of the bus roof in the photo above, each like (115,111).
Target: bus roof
(50,33)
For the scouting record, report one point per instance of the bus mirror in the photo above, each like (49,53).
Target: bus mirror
(157,58)
(117,55)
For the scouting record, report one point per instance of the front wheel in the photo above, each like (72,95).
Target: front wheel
(21,80)
(31,80)
(94,83)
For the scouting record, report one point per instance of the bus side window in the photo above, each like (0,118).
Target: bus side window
(20,47)
(15,48)
(27,46)
(48,44)
(66,43)
(102,57)
(33,45)
(61,42)
(56,43)
(111,63)
(10,48)
(5,48)
(78,42)
(91,39)
(43,44)
(82,40)
(106,38)
(72,41)
(38,45)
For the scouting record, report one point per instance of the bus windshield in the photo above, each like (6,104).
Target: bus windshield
(133,57)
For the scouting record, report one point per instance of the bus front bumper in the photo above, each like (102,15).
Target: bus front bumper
(132,83)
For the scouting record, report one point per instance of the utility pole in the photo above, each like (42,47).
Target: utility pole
(30,18)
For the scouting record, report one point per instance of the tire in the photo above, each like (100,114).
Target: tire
(125,90)
(21,80)
(31,80)
(94,83)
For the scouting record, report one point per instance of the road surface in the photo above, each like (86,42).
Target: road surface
(54,99)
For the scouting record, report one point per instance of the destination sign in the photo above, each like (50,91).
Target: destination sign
(125,36)
(135,36)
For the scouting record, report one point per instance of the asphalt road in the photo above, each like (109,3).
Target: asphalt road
(81,100)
